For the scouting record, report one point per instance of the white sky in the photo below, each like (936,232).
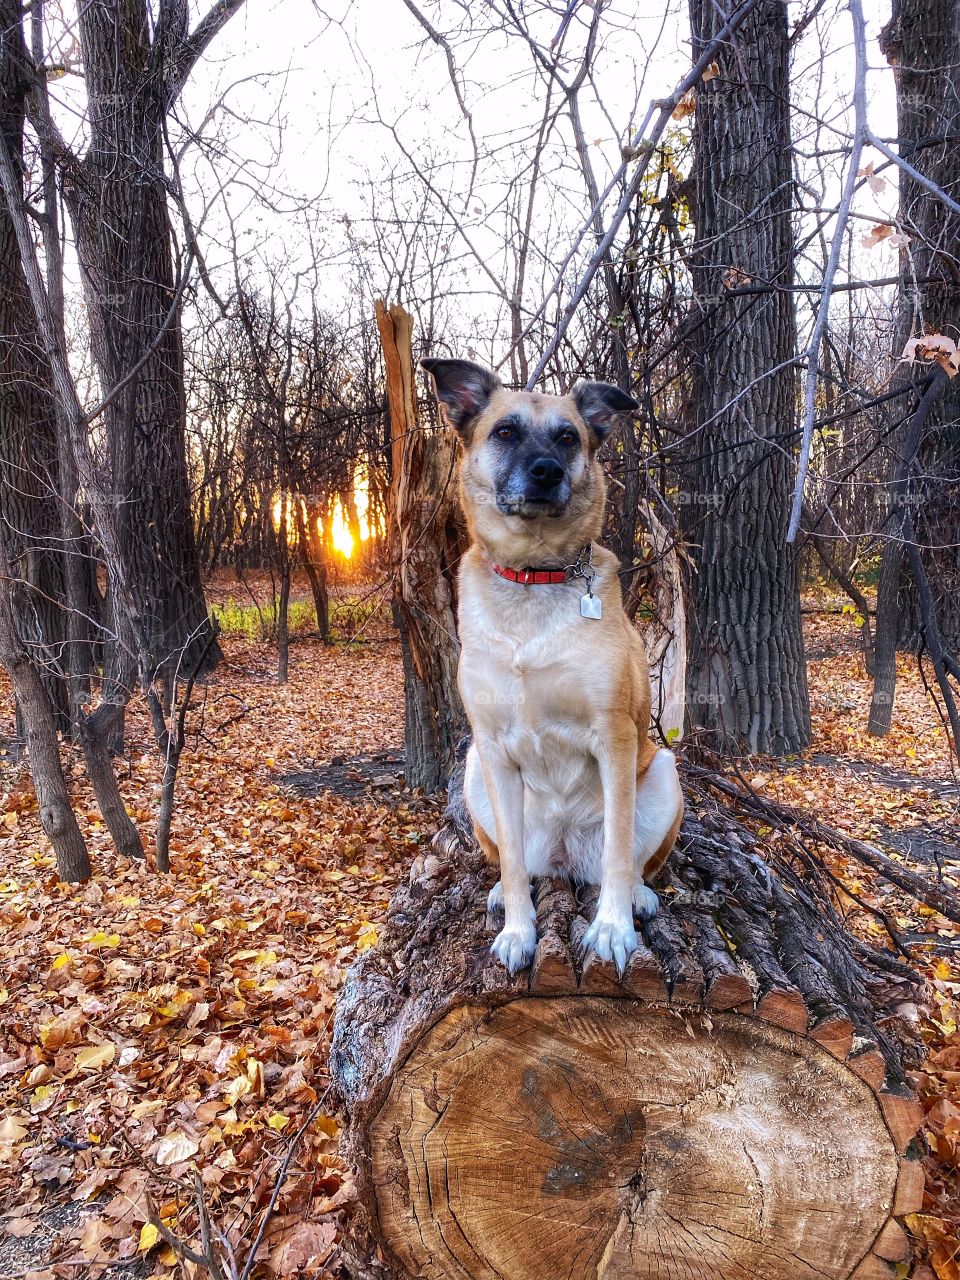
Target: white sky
(296,122)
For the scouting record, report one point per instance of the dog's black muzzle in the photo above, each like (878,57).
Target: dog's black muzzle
(536,487)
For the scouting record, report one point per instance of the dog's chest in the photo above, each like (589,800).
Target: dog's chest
(522,689)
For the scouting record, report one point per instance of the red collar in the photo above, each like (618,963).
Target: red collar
(531,577)
(581,568)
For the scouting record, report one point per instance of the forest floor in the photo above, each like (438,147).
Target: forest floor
(155,1025)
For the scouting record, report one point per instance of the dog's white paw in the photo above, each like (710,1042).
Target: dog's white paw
(646,904)
(495,898)
(514,947)
(614,940)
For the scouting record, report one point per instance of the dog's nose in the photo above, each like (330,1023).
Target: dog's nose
(546,471)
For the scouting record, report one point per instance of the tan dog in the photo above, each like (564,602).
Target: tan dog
(561,777)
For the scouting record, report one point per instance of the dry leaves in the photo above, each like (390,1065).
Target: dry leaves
(936,347)
(686,106)
(876,183)
(187,1017)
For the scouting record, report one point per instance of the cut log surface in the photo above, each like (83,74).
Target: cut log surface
(684,1120)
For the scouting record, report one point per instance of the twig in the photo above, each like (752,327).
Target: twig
(921,887)
(833,262)
(278,1185)
(643,148)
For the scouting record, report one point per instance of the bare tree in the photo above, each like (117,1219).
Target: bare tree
(747,674)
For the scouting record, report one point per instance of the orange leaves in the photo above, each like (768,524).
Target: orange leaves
(884,231)
(686,106)
(65,1030)
(940,1238)
(190,1014)
(936,347)
(302,1246)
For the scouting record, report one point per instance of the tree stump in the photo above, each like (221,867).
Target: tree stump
(734,1107)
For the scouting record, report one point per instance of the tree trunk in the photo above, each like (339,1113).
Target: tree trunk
(922,42)
(97,730)
(314,563)
(29,485)
(283,616)
(885,649)
(56,813)
(427,543)
(118,204)
(665,634)
(747,679)
(729,1109)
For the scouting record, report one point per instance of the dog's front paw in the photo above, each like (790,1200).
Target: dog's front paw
(514,946)
(646,904)
(495,898)
(614,940)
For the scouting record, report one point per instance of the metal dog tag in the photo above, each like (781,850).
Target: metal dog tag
(590,606)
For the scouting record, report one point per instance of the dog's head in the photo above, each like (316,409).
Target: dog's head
(530,467)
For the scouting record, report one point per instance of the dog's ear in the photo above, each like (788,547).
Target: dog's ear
(598,403)
(463,389)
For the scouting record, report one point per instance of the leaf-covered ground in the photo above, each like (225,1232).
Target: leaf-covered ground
(166,1025)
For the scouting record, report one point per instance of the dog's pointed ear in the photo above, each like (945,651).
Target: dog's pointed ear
(598,403)
(463,389)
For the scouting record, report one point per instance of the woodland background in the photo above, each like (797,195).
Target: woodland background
(228,533)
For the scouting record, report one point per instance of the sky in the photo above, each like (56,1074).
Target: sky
(294,96)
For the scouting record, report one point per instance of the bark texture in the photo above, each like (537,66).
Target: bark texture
(734,1106)
(29,488)
(922,42)
(117,198)
(40,732)
(428,540)
(746,674)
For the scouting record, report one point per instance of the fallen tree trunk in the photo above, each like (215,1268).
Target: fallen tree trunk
(736,1106)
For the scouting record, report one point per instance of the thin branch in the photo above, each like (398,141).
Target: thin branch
(195,44)
(444,44)
(643,148)
(833,262)
(915,174)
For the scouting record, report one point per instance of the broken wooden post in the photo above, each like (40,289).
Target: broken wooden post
(426,533)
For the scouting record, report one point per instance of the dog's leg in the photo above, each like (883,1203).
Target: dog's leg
(659,813)
(516,942)
(612,935)
(484,823)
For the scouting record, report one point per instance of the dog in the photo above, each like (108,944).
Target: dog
(561,776)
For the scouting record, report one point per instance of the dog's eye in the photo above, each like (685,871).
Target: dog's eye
(567,437)
(504,432)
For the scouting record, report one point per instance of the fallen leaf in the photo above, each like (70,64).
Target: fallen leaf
(175,1148)
(149,1235)
(95,1056)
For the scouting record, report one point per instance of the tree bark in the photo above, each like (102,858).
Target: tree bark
(117,200)
(731,1107)
(314,562)
(427,532)
(922,42)
(900,533)
(28,436)
(746,675)
(40,731)
(283,607)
